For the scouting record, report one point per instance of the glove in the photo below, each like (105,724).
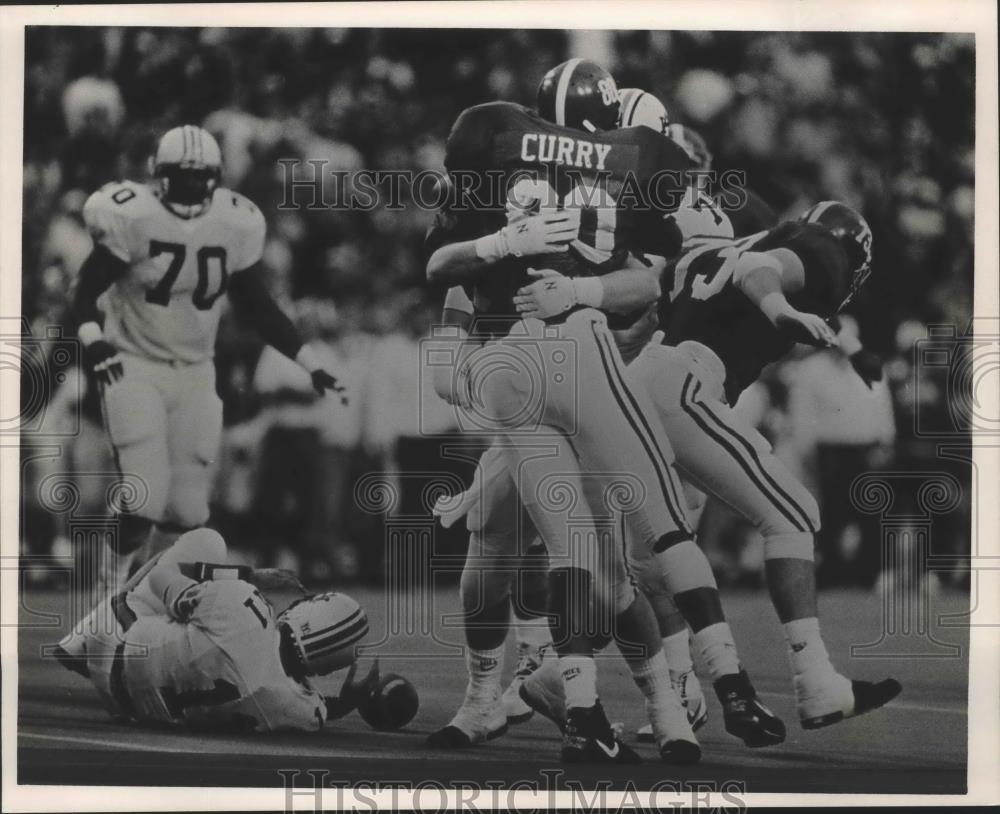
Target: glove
(548,232)
(102,359)
(353,692)
(323,381)
(553,294)
(867,365)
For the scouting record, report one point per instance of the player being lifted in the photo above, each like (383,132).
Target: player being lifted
(487,249)
(162,259)
(729,308)
(193,642)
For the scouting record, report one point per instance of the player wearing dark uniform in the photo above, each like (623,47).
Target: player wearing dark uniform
(729,309)
(548,216)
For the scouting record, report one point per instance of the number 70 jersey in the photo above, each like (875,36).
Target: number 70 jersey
(166,306)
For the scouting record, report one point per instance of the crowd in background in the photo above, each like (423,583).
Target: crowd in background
(883,122)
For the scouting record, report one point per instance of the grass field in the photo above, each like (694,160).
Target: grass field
(916,745)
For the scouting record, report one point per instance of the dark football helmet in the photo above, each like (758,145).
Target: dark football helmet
(854,234)
(579,94)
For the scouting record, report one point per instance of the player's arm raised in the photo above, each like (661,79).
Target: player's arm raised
(767,278)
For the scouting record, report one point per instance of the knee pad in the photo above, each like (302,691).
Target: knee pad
(795,546)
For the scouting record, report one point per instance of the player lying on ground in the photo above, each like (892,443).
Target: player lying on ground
(192,641)
(612,431)
(162,259)
(729,309)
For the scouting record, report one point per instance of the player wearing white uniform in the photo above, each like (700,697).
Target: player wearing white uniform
(193,643)
(161,262)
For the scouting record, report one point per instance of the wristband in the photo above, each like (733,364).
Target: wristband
(492,248)
(773,304)
(89,333)
(589,291)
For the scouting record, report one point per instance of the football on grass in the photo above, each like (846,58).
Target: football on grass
(391,704)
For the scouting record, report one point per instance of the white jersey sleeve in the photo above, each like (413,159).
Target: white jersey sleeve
(111,215)
(247,225)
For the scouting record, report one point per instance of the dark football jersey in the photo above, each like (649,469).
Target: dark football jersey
(751,216)
(622,181)
(701,302)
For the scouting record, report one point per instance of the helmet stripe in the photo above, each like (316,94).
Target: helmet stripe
(562,88)
(818,210)
(627,119)
(341,623)
(352,634)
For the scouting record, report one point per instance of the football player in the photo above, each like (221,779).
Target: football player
(163,258)
(578,103)
(731,307)
(193,642)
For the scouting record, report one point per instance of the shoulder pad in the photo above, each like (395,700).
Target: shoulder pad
(238,210)
(111,212)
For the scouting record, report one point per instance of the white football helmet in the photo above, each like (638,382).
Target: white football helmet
(640,108)
(319,633)
(188,167)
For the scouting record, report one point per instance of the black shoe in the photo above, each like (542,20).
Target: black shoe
(589,738)
(680,753)
(78,664)
(867,696)
(745,716)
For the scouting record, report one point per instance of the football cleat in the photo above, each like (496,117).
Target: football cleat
(529,659)
(680,753)
(475,722)
(833,701)
(589,738)
(688,689)
(744,715)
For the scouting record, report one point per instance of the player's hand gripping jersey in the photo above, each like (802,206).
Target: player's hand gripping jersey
(702,302)
(166,306)
(622,182)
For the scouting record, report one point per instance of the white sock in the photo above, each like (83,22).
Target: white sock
(664,709)
(579,674)
(677,650)
(806,649)
(717,649)
(485,668)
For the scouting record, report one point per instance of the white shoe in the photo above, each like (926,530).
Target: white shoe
(688,689)
(827,697)
(475,722)
(529,659)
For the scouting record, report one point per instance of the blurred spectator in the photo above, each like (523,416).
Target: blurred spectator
(881,120)
(844,429)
